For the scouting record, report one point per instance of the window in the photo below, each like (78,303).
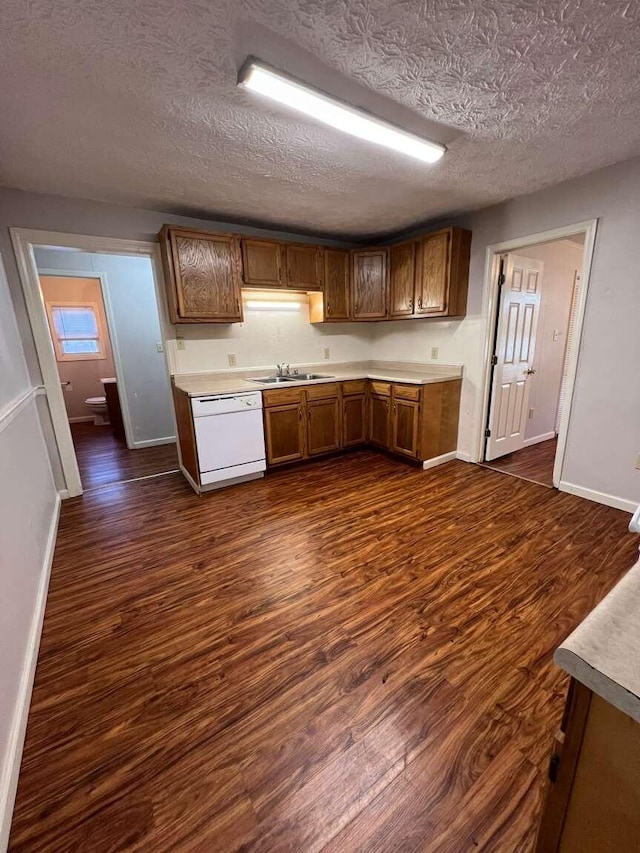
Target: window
(76,331)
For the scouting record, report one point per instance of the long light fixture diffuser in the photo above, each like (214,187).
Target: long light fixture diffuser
(274,84)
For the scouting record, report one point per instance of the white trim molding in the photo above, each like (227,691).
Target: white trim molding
(598,497)
(490,301)
(155,442)
(538,439)
(439,460)
(11,768)
(13,409)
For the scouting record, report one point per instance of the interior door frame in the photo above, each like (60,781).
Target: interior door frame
(24,241)
(491,302)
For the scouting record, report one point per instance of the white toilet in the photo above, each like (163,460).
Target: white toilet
(98,408)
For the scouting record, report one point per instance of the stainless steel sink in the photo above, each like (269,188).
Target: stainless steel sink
(293,377)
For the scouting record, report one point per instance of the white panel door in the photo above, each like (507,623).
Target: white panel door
(515,348)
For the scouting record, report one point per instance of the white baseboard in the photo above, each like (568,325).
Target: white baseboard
(463,456)
(439,460)
(538,438)
(154,442)
(598,497)
(13,758)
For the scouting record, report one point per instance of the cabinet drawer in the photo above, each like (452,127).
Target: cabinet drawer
(354,386)
(381,388)
(407,392)
(321,392)
(281,396)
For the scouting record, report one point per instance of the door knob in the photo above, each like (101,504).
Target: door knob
(529,371)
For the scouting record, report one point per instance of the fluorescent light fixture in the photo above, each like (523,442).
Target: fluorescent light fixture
(268,305)
(261,78)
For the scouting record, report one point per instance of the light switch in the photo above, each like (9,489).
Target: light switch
(556,334)
(159,347)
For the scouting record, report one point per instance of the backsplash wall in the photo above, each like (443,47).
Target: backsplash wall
(268,337)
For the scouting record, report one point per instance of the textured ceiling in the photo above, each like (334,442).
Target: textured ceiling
(134,102)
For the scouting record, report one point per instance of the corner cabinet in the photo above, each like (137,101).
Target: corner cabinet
(402,277)
(202,276)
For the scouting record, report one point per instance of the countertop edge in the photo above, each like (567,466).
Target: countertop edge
(246,385)
(597,681)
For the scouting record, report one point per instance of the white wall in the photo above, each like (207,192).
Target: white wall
(561,260)
(28,518)
(136,331)
(268,337)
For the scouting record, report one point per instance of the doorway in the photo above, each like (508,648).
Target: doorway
(101,337)
(539,296)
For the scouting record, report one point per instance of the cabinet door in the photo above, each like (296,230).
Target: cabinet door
(402,267)
(203,271)
(369,284)
(379,420)
(432,289)
(323,431)
(262,263)
(336,284)
(305,269)
(285,433)
(405,420)
(353,420)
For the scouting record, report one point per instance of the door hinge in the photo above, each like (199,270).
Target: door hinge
(494,359)
(487,433)
(501,279)
(554,765)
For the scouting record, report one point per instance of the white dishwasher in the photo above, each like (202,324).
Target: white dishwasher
(229,437)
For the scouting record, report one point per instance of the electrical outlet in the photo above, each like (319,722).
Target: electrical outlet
(180,344)
(638,461)
(434,353)
(159,347)
(327,352)
(530,413)
(232,359)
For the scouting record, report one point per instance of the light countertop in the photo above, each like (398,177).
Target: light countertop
(414,373)
(603,652)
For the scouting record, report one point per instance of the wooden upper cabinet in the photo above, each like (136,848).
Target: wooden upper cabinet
(305,269)
(443,273)
(202,275)
(262,263)
(369,284)
(402,279)
(336,284)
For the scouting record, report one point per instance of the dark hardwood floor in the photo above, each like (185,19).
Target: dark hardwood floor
(533,463)
(350,656)
(102,459)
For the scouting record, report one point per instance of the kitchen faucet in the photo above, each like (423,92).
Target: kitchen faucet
(283,369)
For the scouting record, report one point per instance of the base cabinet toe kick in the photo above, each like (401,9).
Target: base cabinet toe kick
(225,439)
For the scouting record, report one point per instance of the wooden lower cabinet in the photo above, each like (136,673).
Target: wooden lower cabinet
(323,426)
(592,803)
(415,421)
(354,420)
(405,422)
(378,432)
(285,433)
